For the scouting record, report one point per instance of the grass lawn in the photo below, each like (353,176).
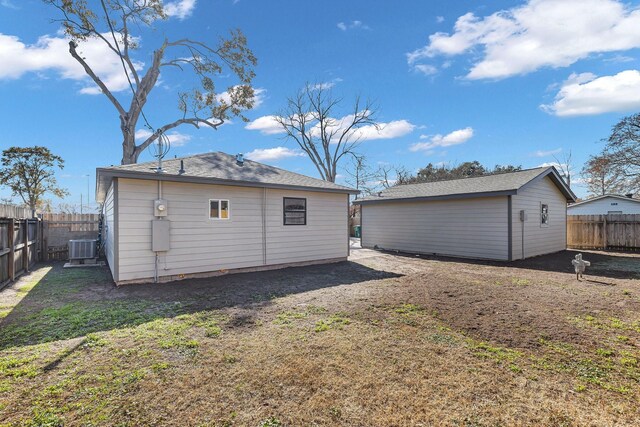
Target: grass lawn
(385,341)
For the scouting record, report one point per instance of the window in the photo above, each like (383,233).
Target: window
(218,209)
(295,211)
(544,215)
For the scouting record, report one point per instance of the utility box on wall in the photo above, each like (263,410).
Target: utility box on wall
(160,240)
(160,207)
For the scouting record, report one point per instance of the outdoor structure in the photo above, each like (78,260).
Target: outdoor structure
(215,213)
(499,217)
(608,204)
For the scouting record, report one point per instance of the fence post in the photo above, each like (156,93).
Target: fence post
(12,262)
(25,248)
(606,237)
(44,239)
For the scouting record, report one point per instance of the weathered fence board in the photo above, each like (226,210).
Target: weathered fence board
(19,247)
(12,211)
(60,228)
(23,242)
(613,231)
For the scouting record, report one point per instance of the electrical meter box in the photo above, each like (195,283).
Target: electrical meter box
(160,207)
(523,215)
(160,240)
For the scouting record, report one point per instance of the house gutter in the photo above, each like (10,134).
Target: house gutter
(106,175)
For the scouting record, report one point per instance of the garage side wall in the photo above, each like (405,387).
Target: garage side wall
(109,229)
(539,239)
(471,228)
(199,244)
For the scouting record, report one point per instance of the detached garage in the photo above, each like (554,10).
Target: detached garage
(499,217)
(215,213)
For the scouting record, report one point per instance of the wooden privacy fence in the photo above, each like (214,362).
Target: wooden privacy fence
(12,211)
(20,247)
(613,231)
(58,229)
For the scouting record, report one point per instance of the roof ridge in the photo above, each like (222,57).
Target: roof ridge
(480,176)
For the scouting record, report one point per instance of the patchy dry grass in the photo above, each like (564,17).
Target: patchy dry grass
(425,343)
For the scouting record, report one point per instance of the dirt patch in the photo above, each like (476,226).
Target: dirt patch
(516,304)
(387,340)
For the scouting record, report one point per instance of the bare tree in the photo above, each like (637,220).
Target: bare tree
(564,164)
(111,23)
(359,174)
(623,150)
(383,176)
(602,177)
(310,120)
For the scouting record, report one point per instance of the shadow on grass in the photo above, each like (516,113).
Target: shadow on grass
(615,265)
(69,303)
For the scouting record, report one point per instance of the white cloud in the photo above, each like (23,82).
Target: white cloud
(390,130)
(541,33)
(326,85)
(394,129)
(353,25)
(543,153)
(560,167)
(426,69)
(258,97)
(456,137)
(180,9)
(8,4)
(272,154)
(52,53)
(176,139)
(267,125)
(585,94)
(439,19)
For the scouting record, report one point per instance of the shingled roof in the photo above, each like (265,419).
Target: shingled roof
(216,168)
(483,186)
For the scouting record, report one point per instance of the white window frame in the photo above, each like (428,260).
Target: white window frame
(219,218)
(543,224)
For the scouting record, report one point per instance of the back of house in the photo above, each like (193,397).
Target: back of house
(215,213)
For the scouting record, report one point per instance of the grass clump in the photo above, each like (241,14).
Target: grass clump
(499,354)
(288,317)
(334,321)
(271,422)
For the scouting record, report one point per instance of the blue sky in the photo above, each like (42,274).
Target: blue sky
(499,82)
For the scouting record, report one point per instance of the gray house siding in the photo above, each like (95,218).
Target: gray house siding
(109,228)
(200,244)
(472,228)
(539,239)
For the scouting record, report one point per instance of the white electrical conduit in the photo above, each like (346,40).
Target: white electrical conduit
(264,226)
(155,268)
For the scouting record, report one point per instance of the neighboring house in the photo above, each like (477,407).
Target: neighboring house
(215,213)
(500,217)
(606,204)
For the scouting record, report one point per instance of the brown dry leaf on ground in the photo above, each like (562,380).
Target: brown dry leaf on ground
(385,340)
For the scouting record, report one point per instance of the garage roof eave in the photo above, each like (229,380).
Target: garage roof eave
(382,199)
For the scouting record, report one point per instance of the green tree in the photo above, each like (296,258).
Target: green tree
(111,23)
(29,173)
(431,172)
